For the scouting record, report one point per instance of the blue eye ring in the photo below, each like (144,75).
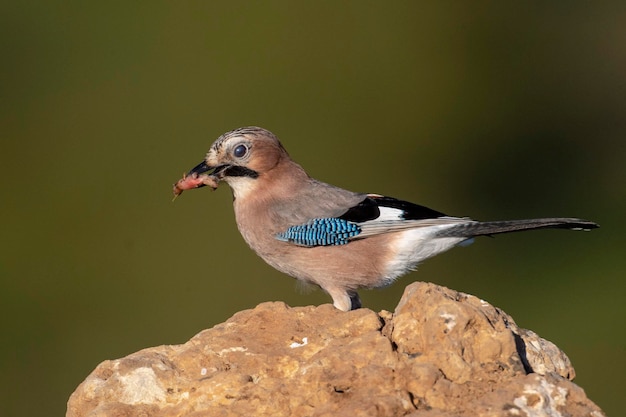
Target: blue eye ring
(240,151)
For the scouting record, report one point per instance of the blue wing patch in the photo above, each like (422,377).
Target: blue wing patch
(321,232)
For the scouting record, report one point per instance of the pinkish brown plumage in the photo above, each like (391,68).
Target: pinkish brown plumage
(321,234)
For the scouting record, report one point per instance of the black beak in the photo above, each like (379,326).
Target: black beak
(201,168)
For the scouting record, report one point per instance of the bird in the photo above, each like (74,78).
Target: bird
(338,240)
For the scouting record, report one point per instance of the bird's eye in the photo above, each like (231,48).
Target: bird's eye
(240,151)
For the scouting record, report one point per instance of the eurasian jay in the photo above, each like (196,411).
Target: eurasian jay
(324,235)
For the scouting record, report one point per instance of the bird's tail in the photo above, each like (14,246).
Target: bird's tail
(471,229)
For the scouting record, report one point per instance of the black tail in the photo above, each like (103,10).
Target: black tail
(471,229)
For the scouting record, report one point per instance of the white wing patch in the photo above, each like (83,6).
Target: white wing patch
(388,213)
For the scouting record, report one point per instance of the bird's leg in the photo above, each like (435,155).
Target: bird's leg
(341,299)
(344,300)
(355,300)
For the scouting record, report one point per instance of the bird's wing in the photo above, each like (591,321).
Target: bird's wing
(314,200)
(373,215)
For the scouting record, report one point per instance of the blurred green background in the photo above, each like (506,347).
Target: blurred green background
(487,110)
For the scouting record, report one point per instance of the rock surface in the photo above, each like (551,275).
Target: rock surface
(442,353)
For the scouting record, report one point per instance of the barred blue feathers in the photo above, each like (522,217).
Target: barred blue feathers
(321,232)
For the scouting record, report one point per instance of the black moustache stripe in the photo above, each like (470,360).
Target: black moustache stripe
(239,171)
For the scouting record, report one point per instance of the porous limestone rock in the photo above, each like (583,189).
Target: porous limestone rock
(442,353)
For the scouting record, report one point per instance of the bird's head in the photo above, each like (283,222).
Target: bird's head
(238,157)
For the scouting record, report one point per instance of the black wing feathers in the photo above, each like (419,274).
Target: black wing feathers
(362,212)
(368,209)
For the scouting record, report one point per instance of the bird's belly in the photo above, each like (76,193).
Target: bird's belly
(373,262)
(358,264)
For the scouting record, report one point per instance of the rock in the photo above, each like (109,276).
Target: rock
(442,353)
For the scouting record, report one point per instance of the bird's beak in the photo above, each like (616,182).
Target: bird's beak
(201,168)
